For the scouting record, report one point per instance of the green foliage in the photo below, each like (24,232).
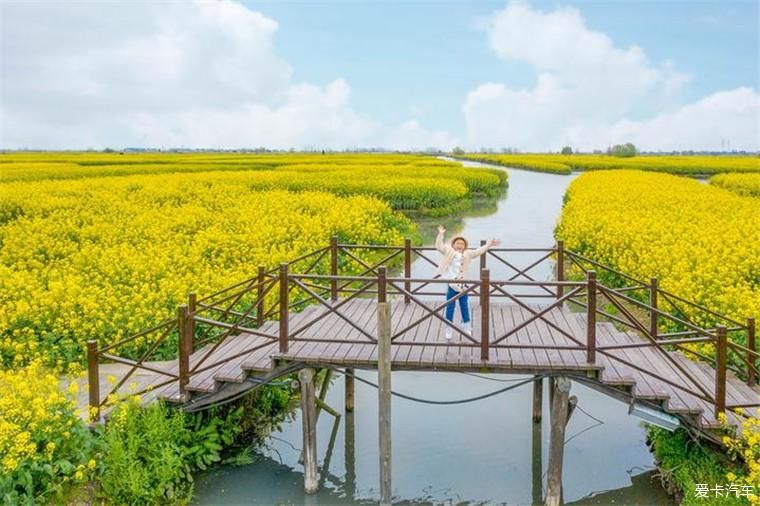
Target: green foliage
(567,150)
(209,435)
(151,452)
(626,150)
(146,461)
(685,462)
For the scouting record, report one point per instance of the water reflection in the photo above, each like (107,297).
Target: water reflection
(480,453)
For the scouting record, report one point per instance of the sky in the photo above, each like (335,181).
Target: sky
(527,75)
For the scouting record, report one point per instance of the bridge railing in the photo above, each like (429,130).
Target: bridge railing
(338,273)
(384,288)
(668,322)
(674,320)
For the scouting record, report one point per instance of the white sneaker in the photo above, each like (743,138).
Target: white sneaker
(468,329)
(449,334)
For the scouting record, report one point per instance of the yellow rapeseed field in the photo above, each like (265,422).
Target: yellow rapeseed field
(743,184)
(103,258)
(702,242)
(102,245)
(564,164)
(112,257)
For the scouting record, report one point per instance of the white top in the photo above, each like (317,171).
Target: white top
(455,267)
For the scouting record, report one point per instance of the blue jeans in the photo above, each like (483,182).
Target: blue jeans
(464,305)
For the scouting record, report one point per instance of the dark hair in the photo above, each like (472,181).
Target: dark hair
(455,239)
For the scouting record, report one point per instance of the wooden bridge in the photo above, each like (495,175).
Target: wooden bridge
(626,337)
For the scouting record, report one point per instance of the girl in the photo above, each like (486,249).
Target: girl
(454,265)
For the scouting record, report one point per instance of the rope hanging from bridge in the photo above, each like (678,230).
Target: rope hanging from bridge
(447,403)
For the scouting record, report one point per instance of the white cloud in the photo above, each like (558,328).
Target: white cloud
(728,115)
(586,87)
(192,74)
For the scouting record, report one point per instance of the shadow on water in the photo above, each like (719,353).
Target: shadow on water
(485,452)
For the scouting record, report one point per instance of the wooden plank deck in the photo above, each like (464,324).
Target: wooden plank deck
(343,343)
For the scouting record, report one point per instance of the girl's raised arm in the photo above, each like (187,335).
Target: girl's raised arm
(490,244)
(439,244)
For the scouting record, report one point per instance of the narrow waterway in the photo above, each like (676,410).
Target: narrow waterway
(478,453)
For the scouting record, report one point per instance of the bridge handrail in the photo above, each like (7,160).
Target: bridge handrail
(273,293)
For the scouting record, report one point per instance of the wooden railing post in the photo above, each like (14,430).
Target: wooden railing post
(192,299)
(484,256)
(382,275)
(260,295)
(591,317)
(653,308)
(407,268)
(334,267)
(183,357)
(560,274)
(720,371)
(284,312)
(93,380)
(485,311)
(751,362)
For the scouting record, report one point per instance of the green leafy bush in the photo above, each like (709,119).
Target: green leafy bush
(145,461)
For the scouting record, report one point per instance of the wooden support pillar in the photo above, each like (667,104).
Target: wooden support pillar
(349,455)
(485,311)
(483,257)
(320,404)
(407,269)
(384,395)
(560,269)
(653,308)
(751,361)
(591,317)
(260,295)
(559,412)
(349,390)
(284,309)
(309,422)
(538,398)
(334,267)
(721,352)
(192,300)
(537,463)
(552,382)
(382,286)
(183,357)
(93,380)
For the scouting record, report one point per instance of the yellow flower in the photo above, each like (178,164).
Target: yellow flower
(73,388)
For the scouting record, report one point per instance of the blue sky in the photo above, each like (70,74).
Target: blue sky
(530,75)
(422,57)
